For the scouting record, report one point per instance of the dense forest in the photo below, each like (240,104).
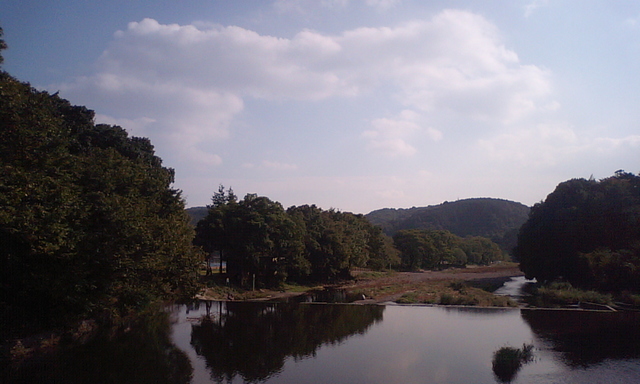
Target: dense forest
(90,226)
(586,232)
(258,239)
(495,219)
(437,249)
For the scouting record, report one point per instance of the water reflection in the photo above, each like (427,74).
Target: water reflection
(328,343)
(585,338)
(142,353)
(253,340)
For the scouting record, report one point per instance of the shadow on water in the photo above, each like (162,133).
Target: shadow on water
(586,338)
(142,353)
(331,296)
(253,340)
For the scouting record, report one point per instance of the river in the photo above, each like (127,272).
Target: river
(231,342)
(276,343)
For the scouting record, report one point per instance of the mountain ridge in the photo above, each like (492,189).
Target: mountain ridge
(496,219)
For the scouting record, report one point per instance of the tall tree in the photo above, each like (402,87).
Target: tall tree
(89,222)
(582,229)
(257,238)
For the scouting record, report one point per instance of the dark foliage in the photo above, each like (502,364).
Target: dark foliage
(89,223)
(495,219)
(436,249)
(254,341)
(196,214)
(257,237)
(587,232)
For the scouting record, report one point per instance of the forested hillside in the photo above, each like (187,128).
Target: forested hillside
(196,214)
(496,219)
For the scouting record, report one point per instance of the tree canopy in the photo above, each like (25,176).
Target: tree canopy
(587,232)
(436,249)
(495,219)
(89,223)
(257,237)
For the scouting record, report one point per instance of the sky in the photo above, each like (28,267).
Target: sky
(354,105)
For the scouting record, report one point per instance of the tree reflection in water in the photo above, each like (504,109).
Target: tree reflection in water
(141,353)
(254,340)
(585,338)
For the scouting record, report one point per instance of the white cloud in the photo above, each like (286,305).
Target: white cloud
(551,145)
(391,136)
(457,54)
(187,86)
(304,6)
(535,4)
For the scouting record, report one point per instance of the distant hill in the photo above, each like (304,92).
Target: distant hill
(196,214)
(496,219)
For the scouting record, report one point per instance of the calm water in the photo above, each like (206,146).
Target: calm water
(342,343)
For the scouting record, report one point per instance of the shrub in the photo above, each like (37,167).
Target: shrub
(507,361)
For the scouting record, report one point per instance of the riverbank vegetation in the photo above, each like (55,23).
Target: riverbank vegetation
(586,233)
(90,226)
(507,361)
(582,243)
(265,246)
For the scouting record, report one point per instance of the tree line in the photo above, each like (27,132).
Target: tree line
(258,238)
(90,226)
(437,249)
(261,241)
(586,232)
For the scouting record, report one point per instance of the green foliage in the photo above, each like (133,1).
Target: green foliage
(495,219)
(587,232)
(434,249)
(559,294)
(89,223)
(254,236)
(305,243)
(507,361)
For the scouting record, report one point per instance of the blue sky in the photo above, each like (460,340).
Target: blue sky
(350,104)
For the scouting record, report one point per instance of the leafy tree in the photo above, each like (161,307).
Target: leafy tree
(256,237)
(415,247)
(480,250)
(587,232)
(382,253)
(336,242)
(433,249)
(89,223)
(211,231)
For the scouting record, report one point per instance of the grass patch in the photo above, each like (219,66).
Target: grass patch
(452,293)
(373,275)
(559,294)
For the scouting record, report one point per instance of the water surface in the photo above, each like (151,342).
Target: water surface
(341,343)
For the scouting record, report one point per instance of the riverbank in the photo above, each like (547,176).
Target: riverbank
(463,286)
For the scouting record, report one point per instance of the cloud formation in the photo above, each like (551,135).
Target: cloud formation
(190,87)
(191,81)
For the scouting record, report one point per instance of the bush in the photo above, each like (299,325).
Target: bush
(561,293)
(507,361)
